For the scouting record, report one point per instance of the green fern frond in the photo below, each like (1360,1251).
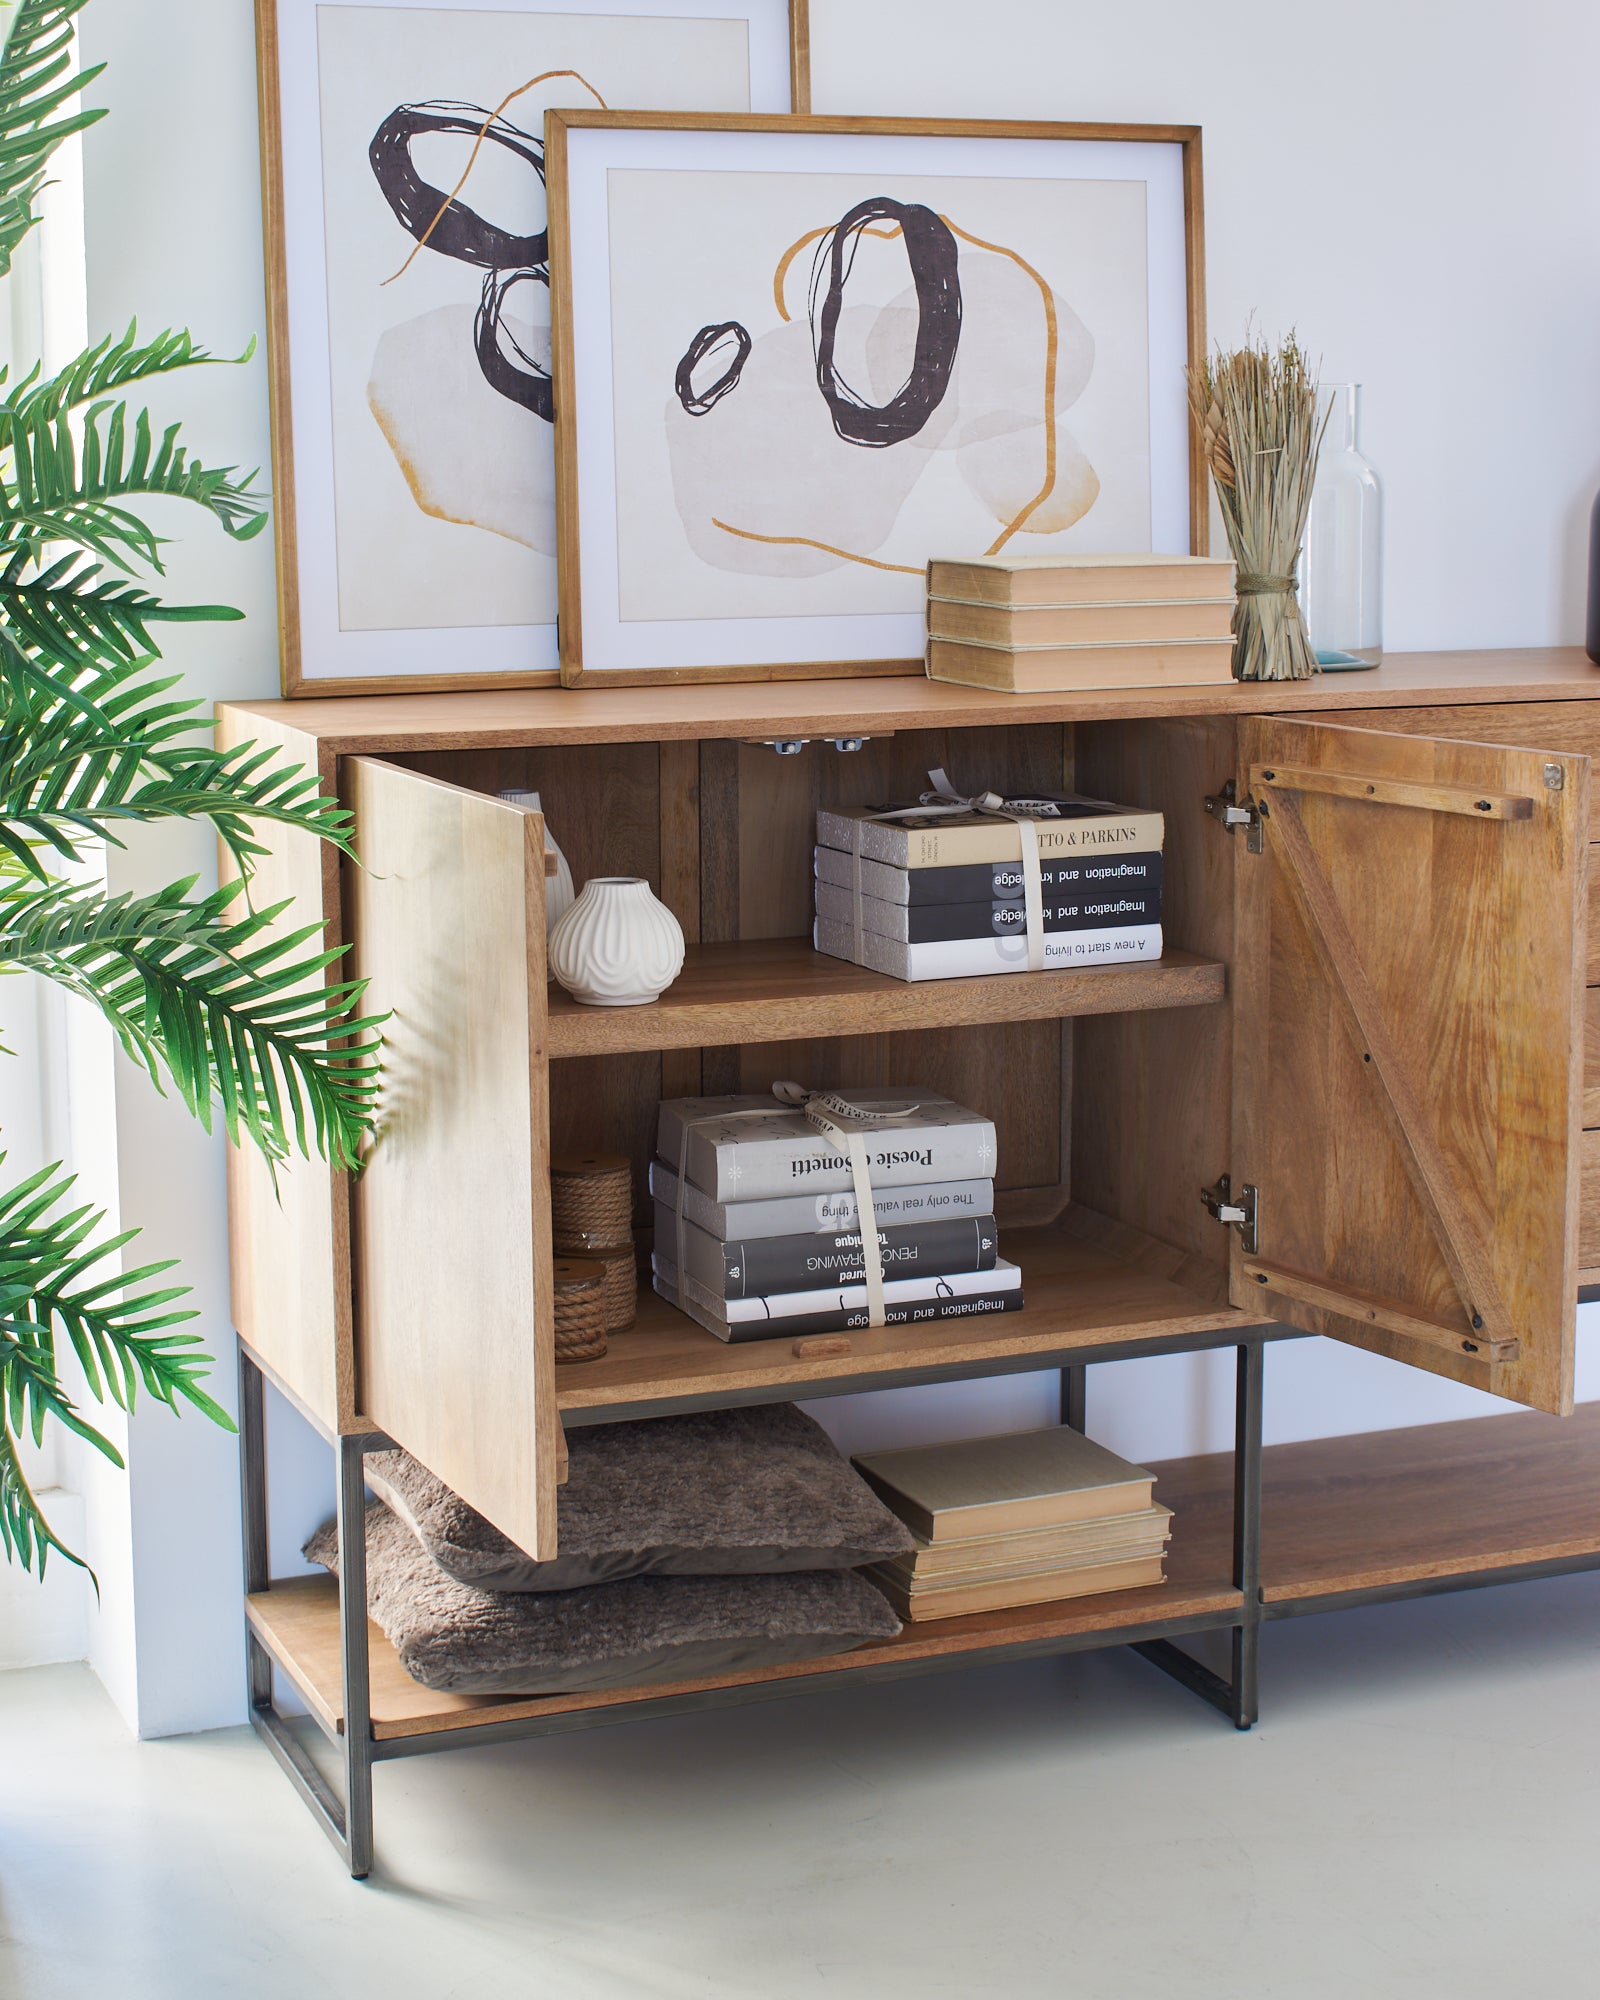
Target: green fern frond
(37,79)
(25,1535)
(85,748)
(67,488)
(229,1013)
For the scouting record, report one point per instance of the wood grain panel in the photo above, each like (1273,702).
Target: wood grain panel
(1589,1200)
(456,1331)
(779,990)
(1407,682)
(289,1242)
(1474,974)
(1152,1092)
(1537,725)
(1400,1506)
(1591,1057)
(298,1622)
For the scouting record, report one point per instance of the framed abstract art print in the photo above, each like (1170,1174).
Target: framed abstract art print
(409,305)
(796,358)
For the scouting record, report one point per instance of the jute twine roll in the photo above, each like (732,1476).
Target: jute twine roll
(591,1216)
(591,1200)
(579,1287)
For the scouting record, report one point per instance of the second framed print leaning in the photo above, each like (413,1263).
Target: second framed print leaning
(797,358)
(409,290)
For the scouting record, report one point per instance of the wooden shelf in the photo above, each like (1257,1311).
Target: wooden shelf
(1396,1507)
(1086,1281)
(298,1623)
(882,705)
(1341,1514)
(779,989)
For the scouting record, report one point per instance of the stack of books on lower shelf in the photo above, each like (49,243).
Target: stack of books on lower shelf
(1044,624)
(758,1226)
(1022,1519)
(923,891)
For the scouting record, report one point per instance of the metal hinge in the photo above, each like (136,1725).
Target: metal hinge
(1240,1214)
(1225,809)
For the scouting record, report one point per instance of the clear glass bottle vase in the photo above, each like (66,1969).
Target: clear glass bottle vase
(1341,564)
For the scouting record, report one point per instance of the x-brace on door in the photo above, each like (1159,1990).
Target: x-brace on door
(1408,992)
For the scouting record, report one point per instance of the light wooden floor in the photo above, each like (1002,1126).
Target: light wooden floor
(1415,1819)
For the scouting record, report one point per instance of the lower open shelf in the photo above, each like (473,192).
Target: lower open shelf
(1393,1508)
(1087,1282)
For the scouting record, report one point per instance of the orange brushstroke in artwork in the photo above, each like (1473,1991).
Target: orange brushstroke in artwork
(805,542)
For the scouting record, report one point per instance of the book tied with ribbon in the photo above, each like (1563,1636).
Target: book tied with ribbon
(826,1212)
(961,885)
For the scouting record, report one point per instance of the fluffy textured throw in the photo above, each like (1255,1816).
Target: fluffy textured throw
(722,1493)
(649,1630)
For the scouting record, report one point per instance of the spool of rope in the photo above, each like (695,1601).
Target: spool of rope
(579,1288)
(591,1216)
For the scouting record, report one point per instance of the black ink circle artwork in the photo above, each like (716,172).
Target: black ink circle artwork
(931,253)
(708,342)
(444,223)
(528,384)
(459,231)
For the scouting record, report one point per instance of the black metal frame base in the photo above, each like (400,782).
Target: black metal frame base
(345,1812)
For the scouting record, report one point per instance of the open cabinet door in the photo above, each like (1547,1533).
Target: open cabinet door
(455,1348)
(1408,1044)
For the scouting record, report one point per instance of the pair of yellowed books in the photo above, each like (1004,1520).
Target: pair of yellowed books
(1043,624)
(1011,1520)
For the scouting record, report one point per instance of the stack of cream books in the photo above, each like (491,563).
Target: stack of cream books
(1041,624)
(1011,1520)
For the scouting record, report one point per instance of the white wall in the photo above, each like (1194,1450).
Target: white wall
(1416,188)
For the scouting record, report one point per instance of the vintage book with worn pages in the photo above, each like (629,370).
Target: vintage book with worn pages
(1001,1485)
(1049,669)
(1139,624)
(1104,1539)
(1000,1593)
(1075,579)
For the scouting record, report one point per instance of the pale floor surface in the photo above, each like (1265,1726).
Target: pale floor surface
(1417,1816)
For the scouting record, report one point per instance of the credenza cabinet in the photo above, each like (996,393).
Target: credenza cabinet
(1349,1100)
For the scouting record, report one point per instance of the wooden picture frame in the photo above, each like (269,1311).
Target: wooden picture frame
(640,562)
(384,582)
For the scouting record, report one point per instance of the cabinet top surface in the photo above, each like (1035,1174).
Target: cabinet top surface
(523,717)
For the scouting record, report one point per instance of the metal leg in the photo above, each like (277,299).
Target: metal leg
(1247,1531)
(349,1824)
(1074,1388)
(353,1640)
(1238,1696)
(253,1506)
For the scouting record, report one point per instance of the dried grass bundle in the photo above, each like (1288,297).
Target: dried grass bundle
(1256,414)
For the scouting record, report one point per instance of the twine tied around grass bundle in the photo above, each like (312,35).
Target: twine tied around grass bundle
(1255,413)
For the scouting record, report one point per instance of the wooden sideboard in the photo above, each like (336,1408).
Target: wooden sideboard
(1370,1018)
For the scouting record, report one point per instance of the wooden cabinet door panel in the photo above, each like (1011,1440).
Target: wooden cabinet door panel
(454,1325)
(1408,1037)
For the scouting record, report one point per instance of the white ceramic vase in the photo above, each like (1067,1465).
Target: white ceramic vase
(618,946)
(559,892)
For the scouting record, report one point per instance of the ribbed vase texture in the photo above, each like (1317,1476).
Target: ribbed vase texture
(618,946)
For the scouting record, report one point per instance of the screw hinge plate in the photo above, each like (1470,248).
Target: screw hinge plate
(1241,1214)
(1225,809)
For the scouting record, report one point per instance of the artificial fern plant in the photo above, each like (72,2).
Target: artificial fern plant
(238,1013)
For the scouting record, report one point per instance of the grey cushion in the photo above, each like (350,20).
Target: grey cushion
(722,1493)
(649,1629)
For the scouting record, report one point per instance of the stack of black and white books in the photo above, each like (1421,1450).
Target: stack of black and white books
(942,894)
(758,1227)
